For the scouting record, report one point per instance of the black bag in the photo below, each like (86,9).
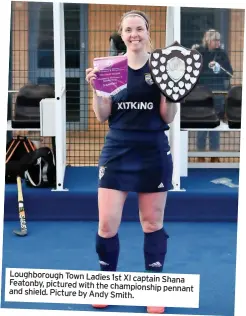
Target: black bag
(27,105)
(40,168)
(16,149)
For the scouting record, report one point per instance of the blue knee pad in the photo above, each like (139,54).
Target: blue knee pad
(108,252)
(155,249)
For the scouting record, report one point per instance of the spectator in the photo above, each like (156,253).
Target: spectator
(117,46)
(214,59)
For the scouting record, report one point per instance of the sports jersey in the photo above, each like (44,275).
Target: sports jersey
(136,155)
(137,107)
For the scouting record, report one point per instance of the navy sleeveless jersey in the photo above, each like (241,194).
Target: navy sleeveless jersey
(136,153)
(138,106)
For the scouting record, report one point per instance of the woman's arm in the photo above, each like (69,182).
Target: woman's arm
(102,107)
(222,60)
(168,110)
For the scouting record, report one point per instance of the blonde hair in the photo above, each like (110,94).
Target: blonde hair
(140,14)
(209,36)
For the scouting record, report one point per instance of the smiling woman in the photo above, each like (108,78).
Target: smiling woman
(136,155)
(134,29)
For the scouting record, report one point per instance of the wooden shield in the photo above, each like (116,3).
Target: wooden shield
(175,70)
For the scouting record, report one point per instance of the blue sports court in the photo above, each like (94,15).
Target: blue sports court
(201,222)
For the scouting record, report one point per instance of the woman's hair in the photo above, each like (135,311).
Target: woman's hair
(139,14)
(134,13)
(209,36)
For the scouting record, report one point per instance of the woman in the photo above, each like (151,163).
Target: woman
(136,155)
(213,76)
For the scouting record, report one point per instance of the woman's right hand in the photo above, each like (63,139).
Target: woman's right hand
(91,75)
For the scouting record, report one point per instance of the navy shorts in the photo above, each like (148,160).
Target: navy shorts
(134,161)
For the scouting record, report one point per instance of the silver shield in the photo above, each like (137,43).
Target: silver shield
(175,68)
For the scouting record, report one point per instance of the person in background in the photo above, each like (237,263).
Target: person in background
(117,46)
(214,59)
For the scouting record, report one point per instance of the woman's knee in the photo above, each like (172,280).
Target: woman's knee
(111,204)
(150,226)
(152,220)
(107,229)
(151,210)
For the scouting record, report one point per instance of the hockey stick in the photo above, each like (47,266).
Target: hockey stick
(22,215)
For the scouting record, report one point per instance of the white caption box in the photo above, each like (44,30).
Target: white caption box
(112,288)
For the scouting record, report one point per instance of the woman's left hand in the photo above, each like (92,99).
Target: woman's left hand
(214,66)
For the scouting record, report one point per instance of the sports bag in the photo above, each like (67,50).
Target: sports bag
(40,168)
(16,149)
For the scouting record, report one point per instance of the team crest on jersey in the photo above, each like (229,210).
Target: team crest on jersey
(101,172)
(148,79)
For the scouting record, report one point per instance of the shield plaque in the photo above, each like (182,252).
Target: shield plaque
(175,70)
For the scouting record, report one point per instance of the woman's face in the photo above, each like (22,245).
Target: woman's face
(214,43)
(134,33)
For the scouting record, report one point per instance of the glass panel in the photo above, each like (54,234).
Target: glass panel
(45,59)
(47,80)
(72,36)
(193,26)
